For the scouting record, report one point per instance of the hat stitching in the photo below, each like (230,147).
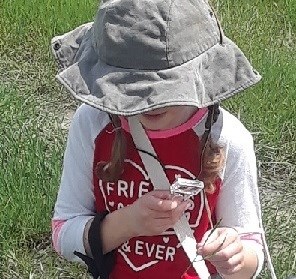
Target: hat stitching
(205,47)
(247,84)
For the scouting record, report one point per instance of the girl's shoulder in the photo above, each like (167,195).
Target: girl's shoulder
(240,159)
(88,122)
(229,130)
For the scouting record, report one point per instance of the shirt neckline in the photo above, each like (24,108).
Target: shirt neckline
(189,124)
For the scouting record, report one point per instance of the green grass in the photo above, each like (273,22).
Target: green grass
(30,165)
(37,21)
(265,30)
(33,106)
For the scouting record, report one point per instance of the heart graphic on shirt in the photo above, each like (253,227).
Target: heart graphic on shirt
(141,254)
(166,239)
(111,204)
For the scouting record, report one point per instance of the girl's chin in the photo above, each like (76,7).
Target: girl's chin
(154,121)
(153,117)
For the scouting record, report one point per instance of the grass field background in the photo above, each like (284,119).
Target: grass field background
(33,106)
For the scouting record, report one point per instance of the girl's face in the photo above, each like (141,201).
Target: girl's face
(167,117)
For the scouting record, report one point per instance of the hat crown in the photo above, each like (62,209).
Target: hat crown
(153,35)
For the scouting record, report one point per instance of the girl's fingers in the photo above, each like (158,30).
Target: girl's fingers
(159,204)
(156,212)
(160,214)
(179,211)
(161,194)
(217,241)
(225,252)
(228,254)
(159,211)
(175,213)
(162,222)
(213,244)
(230,266)
(208,237)
(165,195)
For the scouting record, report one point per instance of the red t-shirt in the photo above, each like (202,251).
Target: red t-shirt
(154,256)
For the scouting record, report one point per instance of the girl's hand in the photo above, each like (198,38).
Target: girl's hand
(154,213)
(223,249)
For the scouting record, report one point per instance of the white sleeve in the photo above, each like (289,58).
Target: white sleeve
(75,203)
(238,202)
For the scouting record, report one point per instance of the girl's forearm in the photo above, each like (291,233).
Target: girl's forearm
(114,231)
(151,214)
(249,268)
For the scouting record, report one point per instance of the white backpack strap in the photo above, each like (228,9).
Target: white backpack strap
(161,182)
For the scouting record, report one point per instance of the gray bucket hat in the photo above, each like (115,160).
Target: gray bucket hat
(142,55)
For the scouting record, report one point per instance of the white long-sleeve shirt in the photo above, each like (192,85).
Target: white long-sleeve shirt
(236,203)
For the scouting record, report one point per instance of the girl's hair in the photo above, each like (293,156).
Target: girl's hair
(212,155)
(112,170)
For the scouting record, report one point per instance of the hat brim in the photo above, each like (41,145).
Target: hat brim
(217,74)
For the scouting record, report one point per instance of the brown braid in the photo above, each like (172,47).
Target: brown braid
(212,155)
(112,170)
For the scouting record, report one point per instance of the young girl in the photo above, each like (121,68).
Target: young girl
(166,65)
